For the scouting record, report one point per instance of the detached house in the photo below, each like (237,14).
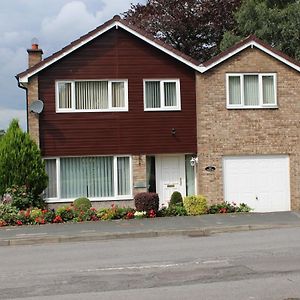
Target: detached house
(119,115)
(125,113)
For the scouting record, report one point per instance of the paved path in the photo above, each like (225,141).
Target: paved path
(191,226)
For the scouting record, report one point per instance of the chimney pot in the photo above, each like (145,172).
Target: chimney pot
(34,46)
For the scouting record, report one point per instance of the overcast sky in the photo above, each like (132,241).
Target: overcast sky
(54,23)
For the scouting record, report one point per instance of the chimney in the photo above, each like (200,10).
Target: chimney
(34,54)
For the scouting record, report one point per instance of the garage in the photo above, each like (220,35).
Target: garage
(262,182)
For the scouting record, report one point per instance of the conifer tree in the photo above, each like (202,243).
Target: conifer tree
(21,163)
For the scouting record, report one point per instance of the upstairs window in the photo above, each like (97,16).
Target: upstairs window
(251,90)
(161,95)
(111,95)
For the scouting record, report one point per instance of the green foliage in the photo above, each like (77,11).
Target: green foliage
(66,212)
(176,199)
(195,205)
(82,204)
(277,22)
(2,132)
(21,198)
(8,213)
(226,207)
(21,163)
(172,211)
(115,213)
(193,27)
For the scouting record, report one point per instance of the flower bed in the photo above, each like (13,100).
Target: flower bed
(9,215)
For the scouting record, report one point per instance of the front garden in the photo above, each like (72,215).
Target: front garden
(23,179)
(16,209)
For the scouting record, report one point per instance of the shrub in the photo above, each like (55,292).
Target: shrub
(8,214)
(21,163)
(172,210)
(65,212)
(176,199)
(115,213)
(82,204)
(22,199)
(226,207)
(195,205)
(146,202)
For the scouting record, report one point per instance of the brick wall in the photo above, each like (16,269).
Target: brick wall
(139,174)
(223,132)
(33,119)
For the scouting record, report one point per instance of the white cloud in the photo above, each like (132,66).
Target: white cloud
(72,21)
(6,115)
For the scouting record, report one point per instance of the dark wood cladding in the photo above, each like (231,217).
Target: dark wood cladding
(118,55)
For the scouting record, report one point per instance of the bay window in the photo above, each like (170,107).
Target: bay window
(99,177)
(88,95)
(251,90)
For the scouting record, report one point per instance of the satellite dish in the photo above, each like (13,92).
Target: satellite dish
(36,106)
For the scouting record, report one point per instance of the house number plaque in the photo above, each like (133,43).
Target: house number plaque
(210,168)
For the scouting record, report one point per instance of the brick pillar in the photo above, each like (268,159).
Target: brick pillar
(33,119)
(139,174)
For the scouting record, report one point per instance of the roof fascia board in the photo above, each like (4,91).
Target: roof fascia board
(203,69)
(24,79)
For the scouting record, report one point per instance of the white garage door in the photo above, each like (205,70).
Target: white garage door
(262,182)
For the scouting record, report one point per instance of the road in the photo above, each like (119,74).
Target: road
(241,265)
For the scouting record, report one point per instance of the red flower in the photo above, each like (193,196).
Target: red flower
(2,223)
(130,215)
(57,219)
(19,223)
(40,220)
(152,214)
(223,210)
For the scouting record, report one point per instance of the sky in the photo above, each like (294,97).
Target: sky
(55,23)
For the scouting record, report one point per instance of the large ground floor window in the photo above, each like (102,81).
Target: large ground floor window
(100,178)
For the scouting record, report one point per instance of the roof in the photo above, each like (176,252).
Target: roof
(250,41)
(117,22)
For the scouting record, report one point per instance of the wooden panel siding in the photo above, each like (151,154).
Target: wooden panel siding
(118,55)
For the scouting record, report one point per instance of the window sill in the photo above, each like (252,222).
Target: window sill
(92,111)
(253,107)
(162,109)
(69,200)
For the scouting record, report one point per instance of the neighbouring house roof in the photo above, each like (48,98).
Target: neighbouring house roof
(251,41)
(116,22)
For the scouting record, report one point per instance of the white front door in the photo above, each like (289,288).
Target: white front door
(170,176)
(262,182)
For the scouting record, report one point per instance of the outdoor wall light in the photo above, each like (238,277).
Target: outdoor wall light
(194,161)
(173,131)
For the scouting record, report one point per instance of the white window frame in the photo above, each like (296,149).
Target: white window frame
(115,170)
(260,90)
(110,107)
(163,107)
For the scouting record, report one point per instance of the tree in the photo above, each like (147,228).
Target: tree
(2,132)
(21,163)
(195,27)
(277,22)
